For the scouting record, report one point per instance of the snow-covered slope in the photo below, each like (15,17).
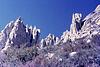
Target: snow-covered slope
(21,46)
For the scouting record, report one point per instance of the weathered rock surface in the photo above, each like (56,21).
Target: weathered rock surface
(21,46)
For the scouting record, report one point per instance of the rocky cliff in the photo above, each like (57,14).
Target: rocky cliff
(21,46)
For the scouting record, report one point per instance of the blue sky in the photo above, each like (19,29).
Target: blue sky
(51,16)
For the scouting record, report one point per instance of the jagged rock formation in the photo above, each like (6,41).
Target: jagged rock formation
(20,45)
(16,34)
(76,23)
(74,28)
(49,40)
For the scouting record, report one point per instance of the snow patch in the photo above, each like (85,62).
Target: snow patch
(88,41)
(72,54)
(50,55)
(94,32)
(60,59)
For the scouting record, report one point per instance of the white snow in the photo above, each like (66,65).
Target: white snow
(72,54)
(60,59)
(88,41)
(94,32)
(50,55)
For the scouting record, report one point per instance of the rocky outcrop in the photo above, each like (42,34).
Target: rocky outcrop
(20,45)
(76,23)
(83,27)
(17,34)
(75,27)
(49,40)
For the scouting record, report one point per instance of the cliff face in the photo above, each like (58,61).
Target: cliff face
(20,45)
(16,33)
